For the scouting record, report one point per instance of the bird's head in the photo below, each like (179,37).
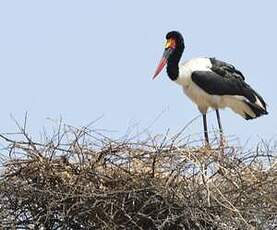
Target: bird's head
(174,43)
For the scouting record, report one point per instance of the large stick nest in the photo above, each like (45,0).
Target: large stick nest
(81,179)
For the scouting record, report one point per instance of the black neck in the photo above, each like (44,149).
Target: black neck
(173,61)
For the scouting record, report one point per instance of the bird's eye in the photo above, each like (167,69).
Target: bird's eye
(170,43)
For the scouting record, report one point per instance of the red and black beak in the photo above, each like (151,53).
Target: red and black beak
(169,48)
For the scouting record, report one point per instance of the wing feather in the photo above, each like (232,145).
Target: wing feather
(229,83)
(225,69)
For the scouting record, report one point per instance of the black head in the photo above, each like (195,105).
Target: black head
(174,48)
(177,37)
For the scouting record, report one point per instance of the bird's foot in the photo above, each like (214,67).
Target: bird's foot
(222,141)
(206,148)
(222,145)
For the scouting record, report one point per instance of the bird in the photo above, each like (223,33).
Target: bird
(210,83)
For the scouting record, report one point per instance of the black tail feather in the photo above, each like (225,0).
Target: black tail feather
(257,110)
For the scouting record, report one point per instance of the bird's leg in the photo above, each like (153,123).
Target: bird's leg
(220,127)
(219,121)
(207,145)
(205,129)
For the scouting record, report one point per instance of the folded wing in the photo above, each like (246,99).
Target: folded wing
(225,80)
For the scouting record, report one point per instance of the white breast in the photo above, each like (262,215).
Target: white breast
(193,91)
(186,69)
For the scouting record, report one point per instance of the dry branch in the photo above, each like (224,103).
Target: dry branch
(81,179)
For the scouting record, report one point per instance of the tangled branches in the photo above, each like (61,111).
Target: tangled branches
(81,179)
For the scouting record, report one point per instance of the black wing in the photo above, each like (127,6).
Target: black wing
(225,69)
(225,79)
(216,84)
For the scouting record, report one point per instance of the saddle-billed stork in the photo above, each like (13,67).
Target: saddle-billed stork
(209,82)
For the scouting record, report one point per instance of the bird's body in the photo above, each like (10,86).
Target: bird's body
(201,98)
(195,76)
(210,83)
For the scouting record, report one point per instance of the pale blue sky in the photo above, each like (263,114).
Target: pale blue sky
(84,59)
